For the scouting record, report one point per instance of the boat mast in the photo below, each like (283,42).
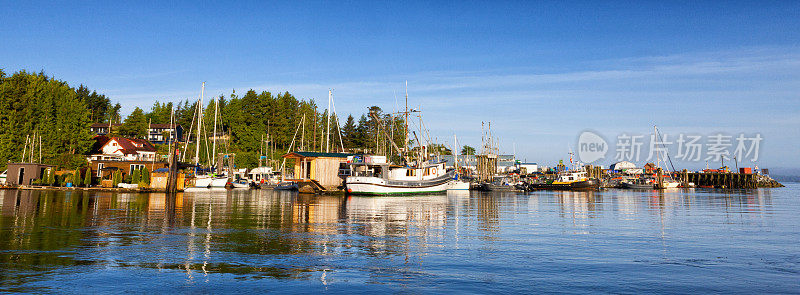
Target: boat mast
(169,137)
(214,136)
(328,124)
(199,124)
(303,135)
(455,153)
(405,146)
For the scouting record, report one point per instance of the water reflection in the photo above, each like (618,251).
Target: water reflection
(278,234)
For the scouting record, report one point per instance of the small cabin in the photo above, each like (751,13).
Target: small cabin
(321,171)
(25,173)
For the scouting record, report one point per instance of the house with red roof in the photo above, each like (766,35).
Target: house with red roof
(122,149)
(109,154)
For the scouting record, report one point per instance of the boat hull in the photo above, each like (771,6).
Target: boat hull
(458,186)
(590,184)
(378,189)
(627,185)
(376,186)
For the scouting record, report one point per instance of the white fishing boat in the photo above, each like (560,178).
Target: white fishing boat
(372,175)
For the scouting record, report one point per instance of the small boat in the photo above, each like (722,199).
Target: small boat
(206,181)
(286,186)
(667,182)
(638,183)
(458,185)
(238,185)
(568,181)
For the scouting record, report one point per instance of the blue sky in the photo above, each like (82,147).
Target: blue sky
(541,72)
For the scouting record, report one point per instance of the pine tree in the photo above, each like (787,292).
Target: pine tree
(76,178)
(135,176)
(135,125)
(88,180)
(145,176)
(116,178)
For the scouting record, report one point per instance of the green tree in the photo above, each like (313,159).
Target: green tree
(349,132)
(135,125)
(119,178)
(145,178)
(136,176)
(439,149)
(467,150)
(87,181)
(76,178)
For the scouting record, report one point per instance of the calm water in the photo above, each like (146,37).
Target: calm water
(613,241)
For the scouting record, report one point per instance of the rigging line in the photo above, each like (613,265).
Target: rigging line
(208,153)
(188,137)
(666,152)
(336,119)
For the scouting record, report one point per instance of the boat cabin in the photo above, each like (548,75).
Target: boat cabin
(377,166)
(572,176)
(319,171)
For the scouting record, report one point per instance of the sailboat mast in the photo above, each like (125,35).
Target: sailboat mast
(214,136)
(328,124)
(454,152)
(169,137)
(199,124)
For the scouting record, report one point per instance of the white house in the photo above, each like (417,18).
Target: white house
(122,149)
(529,167)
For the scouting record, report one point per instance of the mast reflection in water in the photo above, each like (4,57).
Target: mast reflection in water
(216,241)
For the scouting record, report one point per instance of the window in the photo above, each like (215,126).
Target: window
(136,167)
(100,169)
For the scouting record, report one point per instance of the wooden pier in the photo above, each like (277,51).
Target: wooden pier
(728,180)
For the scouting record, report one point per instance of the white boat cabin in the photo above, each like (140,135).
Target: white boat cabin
(377,166)
(572,176)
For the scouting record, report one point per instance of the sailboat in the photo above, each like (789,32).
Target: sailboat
(458,183)
(206,180)
(652,181)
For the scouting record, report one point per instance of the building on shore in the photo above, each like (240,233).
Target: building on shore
(528,168)
(126,154)
(26,173)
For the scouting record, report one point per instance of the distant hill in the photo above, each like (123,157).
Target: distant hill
(786,178)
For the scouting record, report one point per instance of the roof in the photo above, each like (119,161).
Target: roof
(153,126)
(316,155)
(164,126)
(127,145)
(100,125)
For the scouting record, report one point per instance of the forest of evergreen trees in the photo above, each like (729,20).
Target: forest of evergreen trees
(33,103)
